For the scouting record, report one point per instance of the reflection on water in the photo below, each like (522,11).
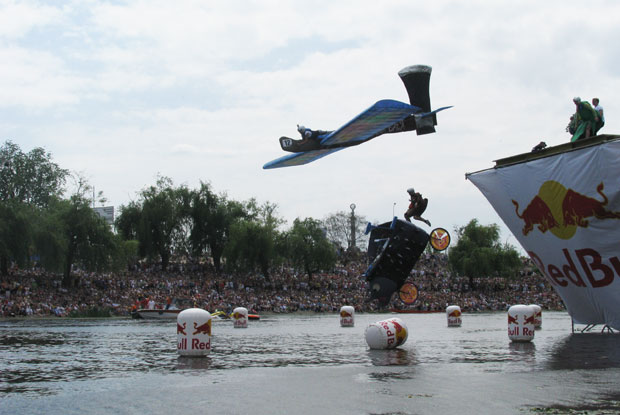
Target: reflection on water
(522,349)
(392,357)
(587,351)
(39,356)
(523,352)
(193,363)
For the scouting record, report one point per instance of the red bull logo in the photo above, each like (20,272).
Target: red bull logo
(203,328)
(530,320)
(455,313)
(386,334)
(196,341)
(401,333)
(524,330)
(395,337)
(561,211)
(538,318)
(347,316)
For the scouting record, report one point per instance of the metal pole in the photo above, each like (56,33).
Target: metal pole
(352,206)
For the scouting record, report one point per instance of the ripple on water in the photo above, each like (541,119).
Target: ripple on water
(37,354)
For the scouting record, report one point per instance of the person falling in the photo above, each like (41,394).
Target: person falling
(416,207)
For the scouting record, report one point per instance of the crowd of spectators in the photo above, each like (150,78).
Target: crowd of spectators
(35,292)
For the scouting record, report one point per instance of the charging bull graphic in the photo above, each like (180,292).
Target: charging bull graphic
(512,319)
(530,319)
(347,316)
(401,333)
(577,208)
(455,313)
(562,210)
(536,213)
(203,328)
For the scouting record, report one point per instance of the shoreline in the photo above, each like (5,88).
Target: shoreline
(265,314)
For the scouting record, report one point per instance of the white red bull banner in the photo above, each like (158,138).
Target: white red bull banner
(565,212)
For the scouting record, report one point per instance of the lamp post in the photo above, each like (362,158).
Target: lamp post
(352,206)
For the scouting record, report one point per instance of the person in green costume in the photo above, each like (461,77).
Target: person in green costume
(585,122)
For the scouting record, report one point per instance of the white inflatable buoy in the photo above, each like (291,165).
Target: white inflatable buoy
(521,323)
(537,315)
(453,313)
(347,316)
(194,332)
(240,317)
(386,334)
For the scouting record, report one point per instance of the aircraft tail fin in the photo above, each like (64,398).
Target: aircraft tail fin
(417,80)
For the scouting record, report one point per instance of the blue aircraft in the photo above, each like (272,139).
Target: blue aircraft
(385,116)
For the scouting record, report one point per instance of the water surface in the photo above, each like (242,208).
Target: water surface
(302,364)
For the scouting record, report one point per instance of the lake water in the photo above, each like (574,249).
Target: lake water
(305,364)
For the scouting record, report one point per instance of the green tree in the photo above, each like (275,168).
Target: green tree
(29,182)
(479,253)
(202,211)
(71,233)
(31,178)
(220,214)
(250,247)
(253,239)
(15,234)
(308,247)
(128,221)
(160,221)
(126,256)
(50,243)
(86,238)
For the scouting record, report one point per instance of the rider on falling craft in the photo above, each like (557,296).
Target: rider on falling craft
(416,207)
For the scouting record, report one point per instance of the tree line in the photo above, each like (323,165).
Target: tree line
(39,224)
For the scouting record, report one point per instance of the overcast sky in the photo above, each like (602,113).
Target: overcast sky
(121,91)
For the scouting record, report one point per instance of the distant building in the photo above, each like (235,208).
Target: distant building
(107,213)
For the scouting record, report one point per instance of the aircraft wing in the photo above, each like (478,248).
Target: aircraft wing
(370,123)
(426,114)
(298,159)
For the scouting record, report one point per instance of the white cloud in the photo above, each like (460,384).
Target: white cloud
(17,18)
